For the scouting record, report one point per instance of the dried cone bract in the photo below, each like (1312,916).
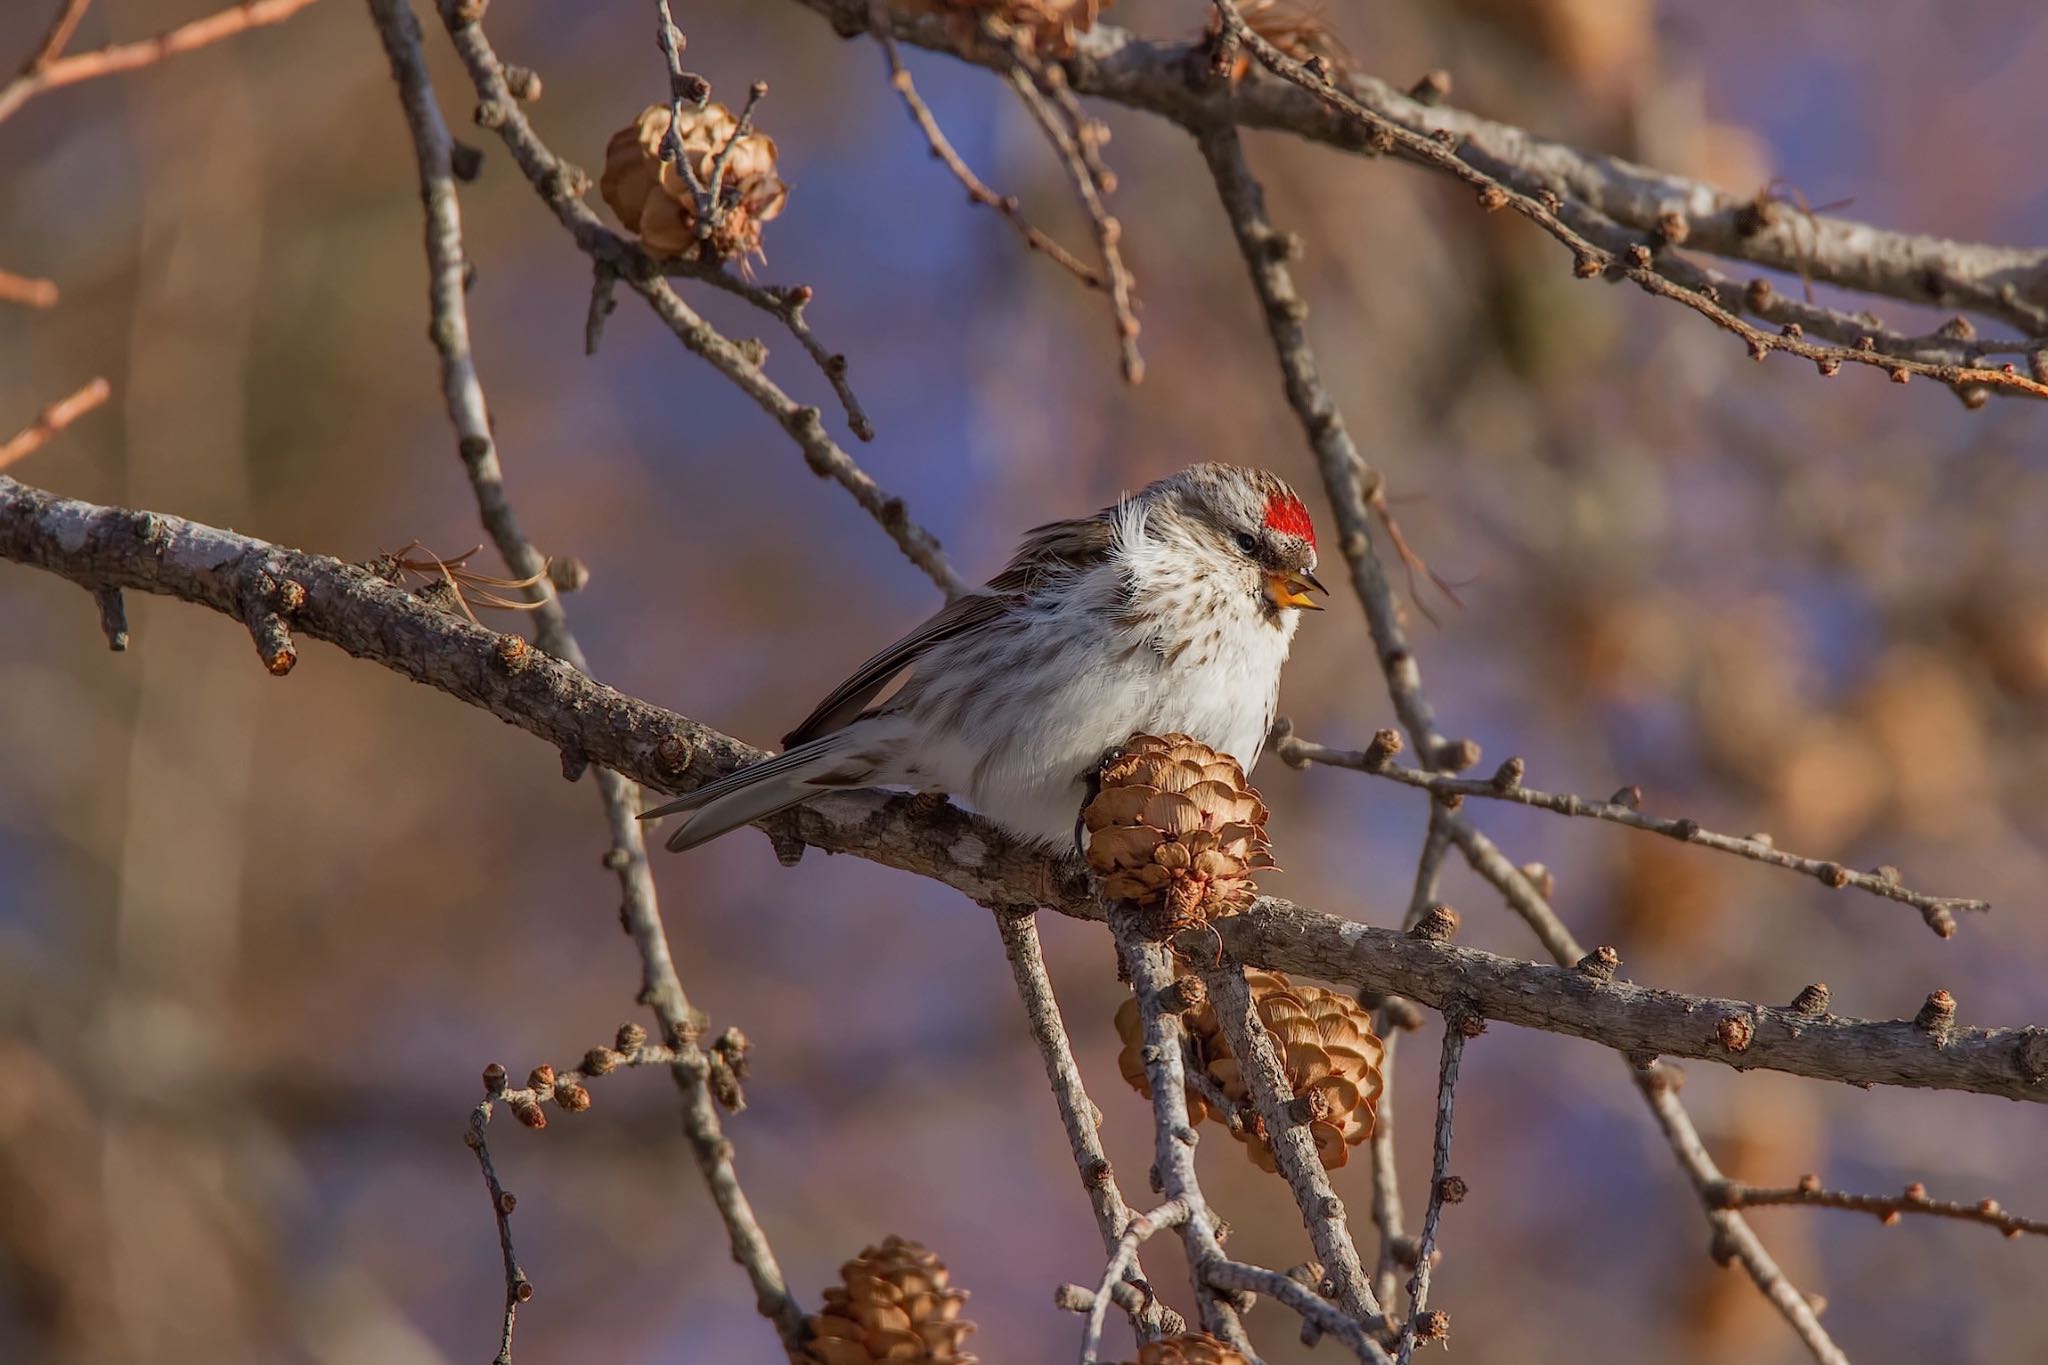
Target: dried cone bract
(653,199)
(1175,825)
(1297,30)
(894,1305)
(1326,1044)
(1192,1348)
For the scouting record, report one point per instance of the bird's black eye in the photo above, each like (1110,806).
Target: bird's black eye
(1247,542)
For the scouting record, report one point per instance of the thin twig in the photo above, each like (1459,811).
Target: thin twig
(661,987)
(59,36)
(54,419)
(1149,966)
(27,291)
(1327,1317)
(1733,1237)
(1443,1186)
(684,87)
(1396,1250)
(559,186)
(786,303)
(1733,1194)
(942,148)
(1347,478)
(1570,222)
(1078,1113)
(1068,141)
(1294,1145)
(49,74)
(1506,785)
(1172,1214)
(518,1289)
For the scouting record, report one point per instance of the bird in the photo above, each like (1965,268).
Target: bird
(1169,611)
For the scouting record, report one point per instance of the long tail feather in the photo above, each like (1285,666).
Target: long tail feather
(751,794)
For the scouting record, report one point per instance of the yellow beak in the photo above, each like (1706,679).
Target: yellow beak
(1292,589)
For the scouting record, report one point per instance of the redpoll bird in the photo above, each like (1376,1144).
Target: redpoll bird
(1170,611)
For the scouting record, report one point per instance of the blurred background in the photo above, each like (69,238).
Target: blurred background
(258,937)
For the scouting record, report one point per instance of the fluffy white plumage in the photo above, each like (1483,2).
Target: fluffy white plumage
(1171,611)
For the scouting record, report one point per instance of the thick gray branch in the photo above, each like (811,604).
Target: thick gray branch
(347,605)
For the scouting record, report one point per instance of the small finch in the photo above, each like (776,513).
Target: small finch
(1170,611)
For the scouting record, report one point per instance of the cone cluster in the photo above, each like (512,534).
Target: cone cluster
(1048,26)
(894,1305)
(652,197)
(1191,1348)
(1175,825)
(1326,1046)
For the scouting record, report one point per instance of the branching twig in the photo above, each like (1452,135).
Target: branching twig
(518,1289)
(1150,968)
(1623,809)
(1808,1193)
(1078,1113)
(786,303)
(49,71)
(1294,1145)
(1734,1240)
(661,988)
(560,186)
(1172,1214)
(1112,64)
(1444,1188)
(52,420)
(1073,137)
(942,148)
(1570,222)
(1326,1317)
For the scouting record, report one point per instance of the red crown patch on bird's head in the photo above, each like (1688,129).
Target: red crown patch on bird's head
(1285,514)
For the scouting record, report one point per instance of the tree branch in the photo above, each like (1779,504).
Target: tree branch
(561,187)
(1078,1113)
(661,986)
(350,606)
(48,71)
(1622,809)
(2010,283)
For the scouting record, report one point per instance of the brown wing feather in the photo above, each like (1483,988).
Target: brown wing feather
(1057,547)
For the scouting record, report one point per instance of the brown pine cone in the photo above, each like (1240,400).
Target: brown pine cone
(1176,825)
(894,1306)
(653,199)
(1326,1044)
(1191,1348)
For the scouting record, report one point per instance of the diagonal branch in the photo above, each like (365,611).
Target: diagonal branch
(1294,1145)
(1078,1113)
(48,71)
(661,986)
(561,187)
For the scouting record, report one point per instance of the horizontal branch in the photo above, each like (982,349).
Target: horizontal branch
(1808,1193)
(1622,809)
(322,598)
(1110,63)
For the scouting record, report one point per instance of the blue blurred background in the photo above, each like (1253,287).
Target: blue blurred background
(258,937)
